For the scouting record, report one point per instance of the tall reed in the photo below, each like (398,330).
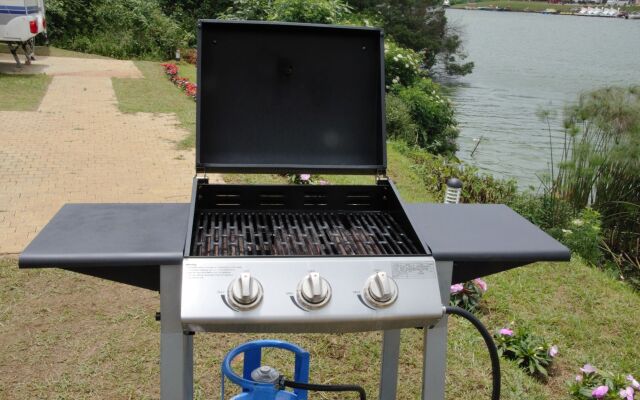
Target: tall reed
(600,167)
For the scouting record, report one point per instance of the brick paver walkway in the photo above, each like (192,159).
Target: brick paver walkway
(79,148)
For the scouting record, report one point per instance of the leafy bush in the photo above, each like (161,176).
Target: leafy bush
(467,295)
(401,66)
(433,113)
(118,28)
(311,11)
(248,10)
(435,170)
(318,11)
(543,210)
(600,168)
(583,236)
(532,353)
(592,383)
(399,123)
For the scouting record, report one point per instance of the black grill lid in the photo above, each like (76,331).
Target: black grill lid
(283,97)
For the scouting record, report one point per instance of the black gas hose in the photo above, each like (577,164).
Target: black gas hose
(450,310)
(491,346)
(323,388)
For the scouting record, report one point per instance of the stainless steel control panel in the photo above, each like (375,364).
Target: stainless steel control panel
(294,294)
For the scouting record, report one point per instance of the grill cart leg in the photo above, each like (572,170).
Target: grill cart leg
(435,343)
(176,347)
(389,370)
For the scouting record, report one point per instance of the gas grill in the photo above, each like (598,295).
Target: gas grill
(291,98)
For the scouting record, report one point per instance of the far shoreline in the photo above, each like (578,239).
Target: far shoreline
(537,7)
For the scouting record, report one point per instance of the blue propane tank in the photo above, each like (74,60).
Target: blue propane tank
(259,382)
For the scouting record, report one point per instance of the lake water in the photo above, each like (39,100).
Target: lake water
(526,61)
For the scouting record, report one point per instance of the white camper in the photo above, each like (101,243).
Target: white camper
(20,22)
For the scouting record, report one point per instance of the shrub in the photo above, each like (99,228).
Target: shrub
(317,11)
(433,113)
(401,66)
(532,353)
(583,236)
(248,9)
(310,11)
(399,123)
(600,168)
(435,170)
(543,210)
(467,295)
(118,28)
(592,383)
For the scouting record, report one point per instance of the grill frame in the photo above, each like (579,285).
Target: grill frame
(300,199)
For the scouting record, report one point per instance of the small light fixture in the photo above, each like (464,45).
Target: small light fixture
(454,189)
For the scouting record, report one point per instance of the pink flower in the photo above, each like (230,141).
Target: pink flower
(457,288)
(634,383)
(626,394)
(305,177)
(600,392)
(506,332)
(578,378)
(588,369)
(323,182)
(481,284)
(553,351)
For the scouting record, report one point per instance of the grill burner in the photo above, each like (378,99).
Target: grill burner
(280,233)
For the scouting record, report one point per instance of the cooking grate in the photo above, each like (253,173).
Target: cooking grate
(299,234)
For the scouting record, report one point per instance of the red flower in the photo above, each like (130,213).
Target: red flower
(190,89)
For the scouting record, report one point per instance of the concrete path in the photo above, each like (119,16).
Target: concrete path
(77,147)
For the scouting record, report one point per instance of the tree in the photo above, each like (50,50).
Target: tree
(420,25)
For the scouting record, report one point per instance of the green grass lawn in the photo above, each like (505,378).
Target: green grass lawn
(156,94)
(55,343)
(53,52)
(22,92)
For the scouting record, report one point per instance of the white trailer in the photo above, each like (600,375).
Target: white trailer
(20,22)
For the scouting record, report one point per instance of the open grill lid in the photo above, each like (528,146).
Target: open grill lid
(290,98)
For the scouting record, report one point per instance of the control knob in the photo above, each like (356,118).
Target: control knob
(245,292)
(381,290)
(314,291)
